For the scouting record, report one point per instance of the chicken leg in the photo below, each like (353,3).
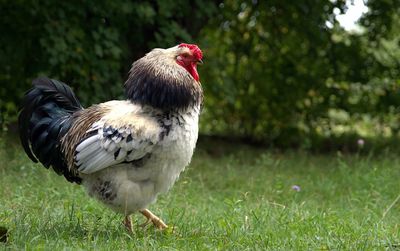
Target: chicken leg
(151,217)
(128,223)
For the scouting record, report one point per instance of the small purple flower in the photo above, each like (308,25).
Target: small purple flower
(296,188)
(360,142)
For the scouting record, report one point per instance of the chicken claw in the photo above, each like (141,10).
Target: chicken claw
(151,217)
(128,223)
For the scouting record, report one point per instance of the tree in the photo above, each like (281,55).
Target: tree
(87,44)
(285,71)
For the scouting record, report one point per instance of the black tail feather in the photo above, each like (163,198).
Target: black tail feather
(45,117)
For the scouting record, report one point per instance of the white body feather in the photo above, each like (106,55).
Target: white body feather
(116,179)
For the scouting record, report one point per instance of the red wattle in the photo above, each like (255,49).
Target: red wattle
(191,68)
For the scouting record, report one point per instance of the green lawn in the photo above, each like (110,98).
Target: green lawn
(238,198)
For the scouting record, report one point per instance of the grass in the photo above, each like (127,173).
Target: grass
(230,198)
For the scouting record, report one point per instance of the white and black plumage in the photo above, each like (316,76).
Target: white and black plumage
(126,152)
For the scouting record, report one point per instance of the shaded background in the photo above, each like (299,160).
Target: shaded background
(278,73)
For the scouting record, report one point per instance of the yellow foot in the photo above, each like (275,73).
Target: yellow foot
(151,217)
(128,223)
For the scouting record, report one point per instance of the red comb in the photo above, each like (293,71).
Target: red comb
(194,48)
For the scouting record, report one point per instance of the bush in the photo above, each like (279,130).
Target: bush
(89,45)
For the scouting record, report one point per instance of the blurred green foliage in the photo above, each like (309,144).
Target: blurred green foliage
(282,72)
(88,44)
(286,73)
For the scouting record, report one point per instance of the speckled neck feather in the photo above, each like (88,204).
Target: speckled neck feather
(160,82)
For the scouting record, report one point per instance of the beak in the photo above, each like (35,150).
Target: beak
(200,61)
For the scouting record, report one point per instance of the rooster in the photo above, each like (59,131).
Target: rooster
(124,152)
